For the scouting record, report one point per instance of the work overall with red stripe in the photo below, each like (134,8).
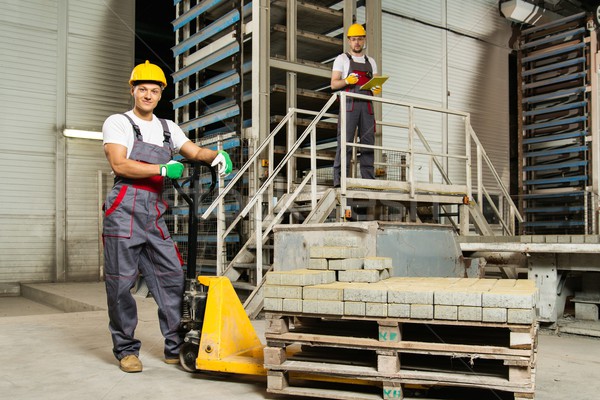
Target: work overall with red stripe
(137,240)
(359,113)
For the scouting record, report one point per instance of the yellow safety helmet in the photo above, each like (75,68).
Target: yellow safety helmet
(356,30)
(148,72)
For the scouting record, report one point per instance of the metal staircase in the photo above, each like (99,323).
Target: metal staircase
(555,75)
(446,191)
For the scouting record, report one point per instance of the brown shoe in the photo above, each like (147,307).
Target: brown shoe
(131,363)
(172,361)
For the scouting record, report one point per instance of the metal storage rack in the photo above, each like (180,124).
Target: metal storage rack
(556,124)
(239,66)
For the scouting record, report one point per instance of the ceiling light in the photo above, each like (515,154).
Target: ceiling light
(80,134)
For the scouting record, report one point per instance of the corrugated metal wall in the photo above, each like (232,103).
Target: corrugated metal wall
(100,43)
(451,54)
(54,76)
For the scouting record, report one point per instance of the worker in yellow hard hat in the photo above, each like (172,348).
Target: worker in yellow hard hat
(139,148)
(350,71)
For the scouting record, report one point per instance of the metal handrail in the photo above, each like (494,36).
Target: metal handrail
(413,133)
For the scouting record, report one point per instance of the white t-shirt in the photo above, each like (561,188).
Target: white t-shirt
(117,129)
(342,64)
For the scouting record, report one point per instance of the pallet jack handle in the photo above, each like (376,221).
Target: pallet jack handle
(193,201)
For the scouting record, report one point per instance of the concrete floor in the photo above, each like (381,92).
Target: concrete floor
(51,354)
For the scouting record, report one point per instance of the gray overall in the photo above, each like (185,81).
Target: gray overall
(359,113)
(136,240)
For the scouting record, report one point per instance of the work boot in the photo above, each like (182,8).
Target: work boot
(172,361)
(130,363)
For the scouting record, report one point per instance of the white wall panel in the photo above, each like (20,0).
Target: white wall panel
(431,11)
(480,19)
(28,32)
(84,159)
(98,43)
(413,58)
(100,56)
(99,60)
(450,54)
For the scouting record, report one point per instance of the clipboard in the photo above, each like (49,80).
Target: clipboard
(375,81)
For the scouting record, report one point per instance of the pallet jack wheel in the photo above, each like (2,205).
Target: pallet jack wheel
(188,355)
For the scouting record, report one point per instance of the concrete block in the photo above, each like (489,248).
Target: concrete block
(509,298)
(356,308)
(376,309)
(273,278)
(504,283)
(520,316)
(588,311)
(410,295)
(323,307)
(327,291)
(301,277)
(363,275)
(377,262)
(271,304)
(445,312)
(522,284)
(577,239)
(366,292)
(591,239)
(493,314)
(318,263)
(336,252)
(421,311)
(458,297)
(282,292)
(399,310)
(346,264)
(292,305)
(466,313)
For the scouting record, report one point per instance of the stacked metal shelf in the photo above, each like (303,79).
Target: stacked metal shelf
(555,126)
(210,101)
(229,63)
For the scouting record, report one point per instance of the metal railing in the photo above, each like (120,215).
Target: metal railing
(438,162)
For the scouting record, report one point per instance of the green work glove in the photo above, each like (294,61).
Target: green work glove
(172,169)
(224,162)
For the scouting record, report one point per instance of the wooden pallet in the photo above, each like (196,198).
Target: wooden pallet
(393,353)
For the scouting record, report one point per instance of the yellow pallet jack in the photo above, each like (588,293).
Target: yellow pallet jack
(218,334)
(228,341)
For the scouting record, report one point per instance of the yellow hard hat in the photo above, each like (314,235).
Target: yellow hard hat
(148,72)
(356,30)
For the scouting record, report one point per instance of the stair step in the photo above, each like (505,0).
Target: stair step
(249,266)
(243,286)
(265,247)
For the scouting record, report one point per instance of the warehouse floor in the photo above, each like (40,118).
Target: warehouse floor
(51,354)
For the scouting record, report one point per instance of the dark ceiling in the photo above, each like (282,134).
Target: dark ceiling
(153,41)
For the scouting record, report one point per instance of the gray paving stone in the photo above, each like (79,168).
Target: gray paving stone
(445,312)
(346,264)
(493,314)
(357,308)
(421,311)
(399,310)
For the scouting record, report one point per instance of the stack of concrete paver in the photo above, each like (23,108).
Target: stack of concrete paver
(340,280)
(311,308)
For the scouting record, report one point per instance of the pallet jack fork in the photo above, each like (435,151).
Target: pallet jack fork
(218,334)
